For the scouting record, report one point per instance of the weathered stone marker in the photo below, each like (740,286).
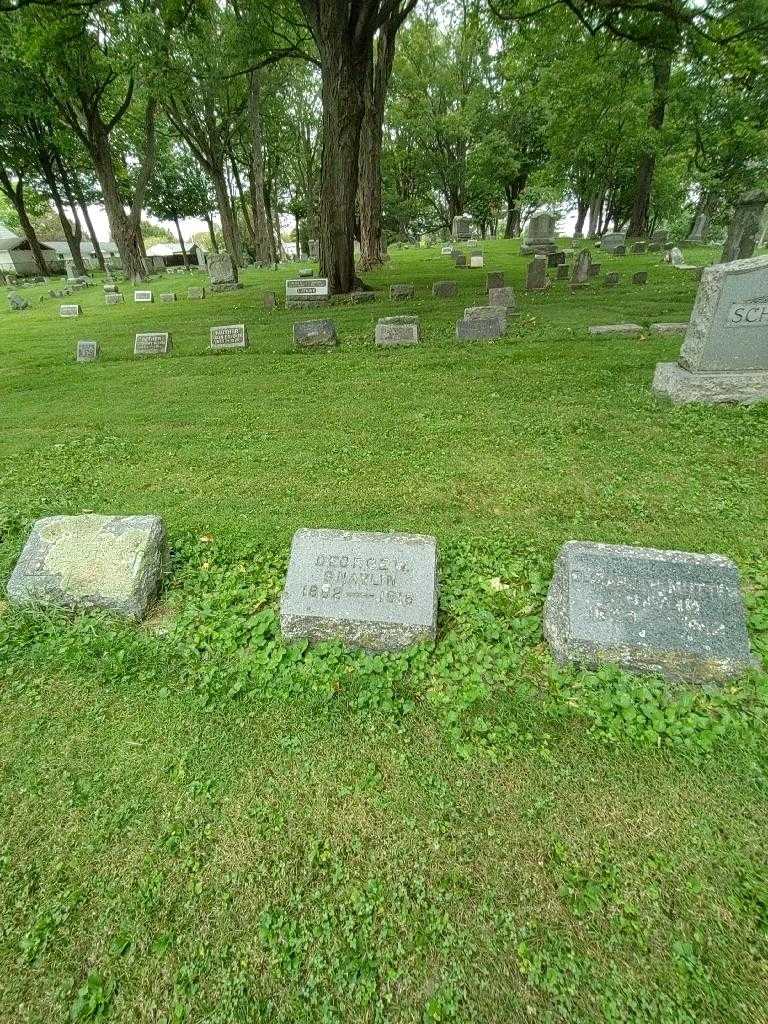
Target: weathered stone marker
(113,298)
(401,291)
(444,290)
(143,296)
(231,336)
(640,277)
(536,279)
(638,248)
(487,313)
(270,300)
(311,334)
(306,272)
(167,296)
(628,329)
(157,344)
(222,273)
(304,292)
(611,280)
(745,226)
(479,328)
(613,240)
(460,259)
(476,261)
(562,272)
(377,591)
(69,310)
(539,235)
(581,269)
(461,228)
(724,357)
(668,612)
(397,330)
(17,302)
(87,351)
(112,563)
(195,292)
(503,297)
(494,279)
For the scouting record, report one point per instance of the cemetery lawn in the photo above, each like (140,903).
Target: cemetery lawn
(200,824)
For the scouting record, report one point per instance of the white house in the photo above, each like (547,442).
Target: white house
(16,256)
(172,255)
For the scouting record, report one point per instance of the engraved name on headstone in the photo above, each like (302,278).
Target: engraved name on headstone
(143,296)
(87,351)
(377,591)
(113,298)
(230,336)
(157,344)
(300,291)
(669,612)
(69,310)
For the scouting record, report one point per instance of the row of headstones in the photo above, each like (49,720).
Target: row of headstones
(674,613)
(537,278)
(158,343)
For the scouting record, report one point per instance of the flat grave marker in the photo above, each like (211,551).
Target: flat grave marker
(152,344)
(377,591)
(68,310)
(669,612)
(87,351)
(306,291)
(229,336)
(397,330)
(143,296)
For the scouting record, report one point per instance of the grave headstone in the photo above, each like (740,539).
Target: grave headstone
(627,329)
(502,297)
(446,250)
(744,228)
(461,228)
(640,277)
(69,310)
(152,344)
(611,280)
(487,313)
(359,297)
(401,291)
(539,235)
(90,562)
(143,296)
(113,298)
(444,289)
(376,591)
(306,272)
(303,292)
(669,328)
(613,240)
(581,269)
(460,259)
(563,272)
(494,279)
(555,259)
(619,250)
(479,328)
(17,302)
(638,248)
(675,257)
(724,357)
(476,261)
(595,269)
(314,334)
(699,230)
(110,289)
(536,279)
(230,336)
(167,296)
(659,237)
(397,330)
(672,613)
(270,300)
(195,292)
(87,351)
(222,273)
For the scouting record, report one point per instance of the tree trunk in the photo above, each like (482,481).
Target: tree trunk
(72,236)
(212,233)
(181,242)
(16,198)
(378,75)
(243,203)
(224,205)
(512,191)
(78,189)
(262,233)
(662,70)
(581,216)
(72,202)
(123,230)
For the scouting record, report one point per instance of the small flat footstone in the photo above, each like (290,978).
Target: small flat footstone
(393,331)
(668,328)
(444,290)
(616,329)
(480,328)
(113,563)
(309,334)
(674,613)
(377,591)
(487,312)
(681,386)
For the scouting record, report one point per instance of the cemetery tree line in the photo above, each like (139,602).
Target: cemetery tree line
(376,120)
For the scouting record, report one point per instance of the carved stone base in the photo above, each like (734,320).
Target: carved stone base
(682,386)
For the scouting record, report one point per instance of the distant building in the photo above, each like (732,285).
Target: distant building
(16,256)
(173,257)
(108,249)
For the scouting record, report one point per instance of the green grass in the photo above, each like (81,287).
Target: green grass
(199,824)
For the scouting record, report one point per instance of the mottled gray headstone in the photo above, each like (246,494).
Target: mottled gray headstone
(154,344)
(494,279)
(110,288)
(611,280)
(555,259)
(699,230)
(638,248)
(479,328)
(69,310)
(460,259)
(669,328)
(613,240)
(581,268)
(595,269)
(401,291)
(616,329)
(360,297)
(195,292)
(729,323)
(487,313)
(306,272)
(745,226)
(17,302)
(461,229)
(619,250)
(113,298)
(675,257)
(563,272)
(112,563)
(682,387)
(143,296)
(167,296)
(539,235)
(502,297)
(669,612)
(87,351)
(395,330)
(222,273)
(229,336)
(640,277)
(536,279)
(311,334)
(377,591)
(444,290)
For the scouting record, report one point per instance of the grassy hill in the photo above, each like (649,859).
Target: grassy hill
(202,824)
